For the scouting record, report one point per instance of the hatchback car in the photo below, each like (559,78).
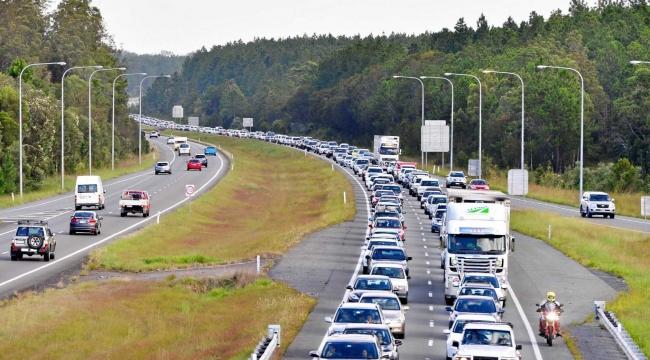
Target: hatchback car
(85,221)
(478,184)
(341,346)
(391,308)
(194,164)
(162,167)
(369,284)
(398,278)
(210,151)
(355,313)
(381,332)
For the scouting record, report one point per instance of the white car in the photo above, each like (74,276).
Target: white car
(488,341)
(473,304)
(456,178)
(430,206)
(184,149)
(455,333)
(398,278)
(425,184)
(382,332)
(597,203)
(353,346)
(391,308)
(489,279)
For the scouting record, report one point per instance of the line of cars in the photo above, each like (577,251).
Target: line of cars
(183,147)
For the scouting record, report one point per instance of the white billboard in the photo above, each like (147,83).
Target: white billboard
(193,121)
(177,112)
(517,182)
(472,167)
(435,136)
(645,206)
(247,122)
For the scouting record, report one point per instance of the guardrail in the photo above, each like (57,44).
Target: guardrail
(267,347)
(615,328)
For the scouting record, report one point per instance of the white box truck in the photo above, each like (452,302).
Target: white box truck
(475,237)
(89,191)
(386,148)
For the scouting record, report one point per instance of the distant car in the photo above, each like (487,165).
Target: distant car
(380,331)
(170,140)
(135,202)
(597,203)
(369,283)
(162,167)
(154,134)
(342,346)
(184,149)
(202,158)
(478,184)
(472,304)
(85,221)
(210,151)
(355,313)
(398,278)
(33,237)
(194,164)
(436,222)
(456,178)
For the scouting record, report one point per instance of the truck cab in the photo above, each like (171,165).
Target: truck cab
(475,237)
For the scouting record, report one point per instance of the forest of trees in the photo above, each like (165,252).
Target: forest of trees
(342,87)
(152,64)
(74,33)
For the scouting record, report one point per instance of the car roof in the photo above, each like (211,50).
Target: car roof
(477,285)
(356,305)
(596,193)
(350,338)
(475,317)
(373,277)
(489,325)
(387,247)
(475,297)
(388,265)
(346,326)
(383,294)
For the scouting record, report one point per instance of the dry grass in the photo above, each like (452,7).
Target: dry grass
(272,199)
(52,185)
(150,320)
(619,252)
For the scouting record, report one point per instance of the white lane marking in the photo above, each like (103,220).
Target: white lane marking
(529,329)
(427,263)
(6,252)
(426,254)
(429,282)
(431,323)
(428,272)
(430,294)
(430,342)
(5,233)
(430,307)
(425,246)
(51,263)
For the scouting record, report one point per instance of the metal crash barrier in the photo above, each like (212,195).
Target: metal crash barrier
(615,328)
(267,347)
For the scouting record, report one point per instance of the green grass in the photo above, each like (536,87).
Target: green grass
(619,252)
(52,185)
(268,203)
(173,319)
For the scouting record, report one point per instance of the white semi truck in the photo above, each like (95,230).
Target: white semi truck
(475,237)
(386,148)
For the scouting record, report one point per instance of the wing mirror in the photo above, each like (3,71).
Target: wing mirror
(349,287)
(446,331)
(512,244)
(328,319)
(448,309)
(518,347)
(313,354)
(398,342)
(454,344)
(409,258)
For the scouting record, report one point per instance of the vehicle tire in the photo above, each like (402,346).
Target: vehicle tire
(14,257)
(400,336)
(449,301)
(76,207)
(582,212)
(504,303)
(430,217)
(52,256)
(35,242)
(549,340)
(405,300)
(71,232)
(612,216)
(46,256)
(122,214)
(20,256)
(155,172)
(447,358)
(589,214)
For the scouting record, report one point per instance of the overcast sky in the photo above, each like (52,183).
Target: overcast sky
(182,26)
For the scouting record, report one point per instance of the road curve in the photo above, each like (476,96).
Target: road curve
(167,192)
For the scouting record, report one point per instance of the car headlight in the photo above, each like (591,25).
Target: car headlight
(500,262)
(452,261)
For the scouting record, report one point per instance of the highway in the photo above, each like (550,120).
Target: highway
(167,192)
(326,261)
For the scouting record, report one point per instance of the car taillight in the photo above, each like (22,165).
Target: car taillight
(92,221)
(73,220)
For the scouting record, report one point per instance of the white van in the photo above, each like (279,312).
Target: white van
(89,191)
(184,149)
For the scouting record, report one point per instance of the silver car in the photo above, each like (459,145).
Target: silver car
(392,309)
(162,167)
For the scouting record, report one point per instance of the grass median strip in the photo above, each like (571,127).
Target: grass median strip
(619,252)
(272,198)
(179,319)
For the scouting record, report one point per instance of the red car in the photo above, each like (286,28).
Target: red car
(194,164)
(478,184)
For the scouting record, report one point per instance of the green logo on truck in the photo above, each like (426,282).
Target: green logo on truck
(481,210)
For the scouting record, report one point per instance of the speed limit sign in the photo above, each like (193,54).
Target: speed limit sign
(189,190)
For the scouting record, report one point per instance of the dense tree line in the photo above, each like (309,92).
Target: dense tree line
(341,88)
(152,64)
(73,33)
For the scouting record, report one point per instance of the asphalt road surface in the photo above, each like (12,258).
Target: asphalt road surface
(326,261)
(167,192)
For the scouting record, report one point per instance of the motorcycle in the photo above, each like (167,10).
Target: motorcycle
(549,322)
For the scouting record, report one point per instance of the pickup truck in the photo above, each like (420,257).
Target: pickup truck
(135,202)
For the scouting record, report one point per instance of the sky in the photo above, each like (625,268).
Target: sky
(183,26)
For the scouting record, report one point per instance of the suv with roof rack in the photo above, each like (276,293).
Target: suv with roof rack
(33,237)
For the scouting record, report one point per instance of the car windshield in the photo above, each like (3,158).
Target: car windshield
(382,334)
(598,197)
(479,291)
(487,337)
(349,350)
(84,214)
(394,188)
(390,214)
(380,193)
(362,162)
(480,279)
(87,188)
(199,156)
(440,214)
(388,223)
(29,231)
(391,272)
(162,164)
(456,174)
(373,284)
(194,161)
(478,182)
(388,254)
(385,303)
(368,316)
(475,244)
(429,183)
(477,306)
(380,243)
(375,170)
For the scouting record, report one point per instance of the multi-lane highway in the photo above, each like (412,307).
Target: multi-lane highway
(326,261)
(167,192)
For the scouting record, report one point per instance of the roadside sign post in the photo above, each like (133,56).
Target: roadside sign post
(518,182)
(177,113)
(189,192)
(434,135)
(472,167)
(645,207)
(192,121)
(247,123)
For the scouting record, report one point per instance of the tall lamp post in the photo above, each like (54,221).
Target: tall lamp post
(522,107)
(63,117)
(90,116)
(451,147)
(582,116)
(20,118)
(113,117)
(140,115)
(480,118)
(421,84)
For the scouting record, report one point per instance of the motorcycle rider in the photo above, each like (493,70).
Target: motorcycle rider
(550,303)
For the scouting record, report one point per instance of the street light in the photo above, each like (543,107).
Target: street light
(480,118)
(451,148)
(582,115)
(422,84)
(638,62)
(20,118)
(140,115)
(522,107)
(90,116)
(63,117)
(113,118)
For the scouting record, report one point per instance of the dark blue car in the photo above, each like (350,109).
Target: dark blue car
(210,150)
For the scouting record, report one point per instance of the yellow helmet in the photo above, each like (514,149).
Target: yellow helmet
(550,296)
